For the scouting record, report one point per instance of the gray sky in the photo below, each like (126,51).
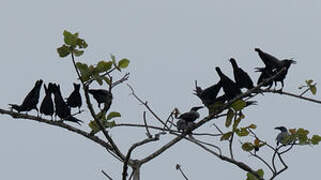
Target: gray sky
(170,44)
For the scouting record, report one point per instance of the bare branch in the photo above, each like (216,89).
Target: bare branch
(93,114)
(149,135)
(178,167)
(146,105)
(121,80)
(292,95)
(145,141)
(104,173)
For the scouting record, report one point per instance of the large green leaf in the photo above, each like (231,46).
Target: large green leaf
(123,63)
(70,39)
(103,66)
(63,51)
(113,115)
(238,105)
(84,71)
(78,53)
(315,139)
(226,136)
(247,147)
(229,117)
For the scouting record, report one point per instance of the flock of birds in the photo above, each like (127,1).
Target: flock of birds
(209,96)
(59,107)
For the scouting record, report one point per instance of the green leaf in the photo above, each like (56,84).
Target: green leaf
(107,80)
(84,71)
(313,89)
(229,117)
(98,79)
(70,39)
(247,147)
(315,139)
(252,126)
(238,105)
(260,172)
(78,53)
(242,132)
(104,66)
(95,128)
(237,121)
(63,51)
(113,115)
(82,43)
(123,63)
(226,136)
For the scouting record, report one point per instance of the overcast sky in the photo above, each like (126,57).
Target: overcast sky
(170,44)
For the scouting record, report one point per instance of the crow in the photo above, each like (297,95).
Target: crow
(274,65)
(74,99)
(47,106)
(208,95)
(230,88)
(192,115)
(31,100)
(242,79)
(265,74)
(62,109)
(101,96)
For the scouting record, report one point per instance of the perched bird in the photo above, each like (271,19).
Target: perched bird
(281,137)
(182,125)
(230,88)
(274,65)
(286,63)
(208,95)
(266,73)
(62,110)
(242,79)
(74,99)
(102,96)
(31,100)
(47,106)
(192,115)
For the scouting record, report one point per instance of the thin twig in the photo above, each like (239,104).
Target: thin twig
(149,135)
(178,167)
(146,105)
(104,173)
(292,95)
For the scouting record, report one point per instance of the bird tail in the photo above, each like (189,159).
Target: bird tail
(15,107)
(73,119)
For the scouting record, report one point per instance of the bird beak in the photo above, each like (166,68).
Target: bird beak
(277,128)
(199,107)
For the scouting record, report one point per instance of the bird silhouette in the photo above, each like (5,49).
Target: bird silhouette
(31,100)
(74,99)
(62,109)
(281,137)
(47,106)
(242,79)
(274,65)
(230,88)
(101,96)
(208,95)
(266,73)
(191,115)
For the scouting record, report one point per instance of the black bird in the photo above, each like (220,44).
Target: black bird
(274,65)
(31,100)
(102,96)
(182,125)
(74,99)
(62,110)
(265,74)
(190,116)
(242,79)
(230,88)
(286,63)
(47,106)
(281,137)
(208,95)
